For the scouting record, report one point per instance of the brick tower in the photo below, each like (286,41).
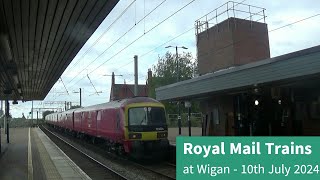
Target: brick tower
(242,37)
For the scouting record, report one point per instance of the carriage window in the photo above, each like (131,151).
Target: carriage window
(89,119)
(147,116)
(99,116)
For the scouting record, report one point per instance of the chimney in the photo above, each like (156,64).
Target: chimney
(112,80)
(149,76)
(136,75)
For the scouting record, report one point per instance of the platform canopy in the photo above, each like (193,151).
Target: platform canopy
(39,39)
(297,67)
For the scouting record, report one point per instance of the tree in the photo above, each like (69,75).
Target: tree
(167,67)
(165,72)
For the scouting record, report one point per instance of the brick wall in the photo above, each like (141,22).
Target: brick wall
(232,42)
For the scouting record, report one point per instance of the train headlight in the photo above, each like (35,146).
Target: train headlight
(135,136)
(162,134)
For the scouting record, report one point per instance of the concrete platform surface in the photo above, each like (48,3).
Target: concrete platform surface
(32,155)
(3,142)
(14,160)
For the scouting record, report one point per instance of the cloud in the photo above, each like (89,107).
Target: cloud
(108,57)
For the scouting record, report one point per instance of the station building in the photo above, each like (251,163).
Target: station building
(242,91)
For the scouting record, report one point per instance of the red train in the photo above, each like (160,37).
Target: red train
(134,126)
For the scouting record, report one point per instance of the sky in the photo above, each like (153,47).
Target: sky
(145,28)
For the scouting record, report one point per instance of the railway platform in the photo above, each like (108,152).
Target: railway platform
(32,155)
(174,132)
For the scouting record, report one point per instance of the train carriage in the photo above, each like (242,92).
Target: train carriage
(134,125)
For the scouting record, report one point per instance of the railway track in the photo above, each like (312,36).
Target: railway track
(92,167)
(163,169)
(149,171)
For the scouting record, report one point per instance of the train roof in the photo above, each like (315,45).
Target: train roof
(118,103)
(111,104)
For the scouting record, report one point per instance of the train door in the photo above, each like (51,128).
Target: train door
(98,121)
(66,124)
(60,120)
(89,121)
(81,121)
(118,121)
(72,120)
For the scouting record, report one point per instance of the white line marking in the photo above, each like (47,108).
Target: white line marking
(72,164)
(30,167)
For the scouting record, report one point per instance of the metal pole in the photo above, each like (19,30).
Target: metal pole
(32,114)
(135,75)
(37,118)
(189,120)
(80,97)
(178,79)
(179,118)
(4,118)
(178,70)
(7,118)
(0,137)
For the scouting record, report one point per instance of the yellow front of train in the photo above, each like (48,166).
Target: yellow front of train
(146,129)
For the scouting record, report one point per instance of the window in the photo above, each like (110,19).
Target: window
(99,116)
(147,116)
(89,119)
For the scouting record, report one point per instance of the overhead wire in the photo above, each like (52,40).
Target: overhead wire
(100,37)
(294,22)
(137,39)
(231,44)
(131,61)
(117,41)
(189,29)
(64,86)
(93,85)
(216,50)
(224,46)
(246,38)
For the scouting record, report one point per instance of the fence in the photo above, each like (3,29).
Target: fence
(196,120)
(228,10)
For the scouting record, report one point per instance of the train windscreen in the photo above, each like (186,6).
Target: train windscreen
(147,116)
